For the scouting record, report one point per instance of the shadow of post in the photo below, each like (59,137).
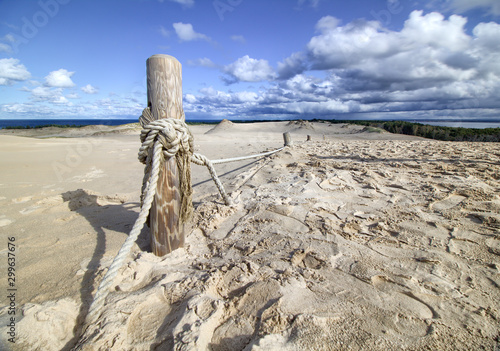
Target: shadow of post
(101,213)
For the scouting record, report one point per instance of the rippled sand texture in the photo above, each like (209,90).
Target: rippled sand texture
(351,241)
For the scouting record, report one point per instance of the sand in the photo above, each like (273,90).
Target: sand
(355,240)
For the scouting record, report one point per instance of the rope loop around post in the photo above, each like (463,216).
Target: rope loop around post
(173,134)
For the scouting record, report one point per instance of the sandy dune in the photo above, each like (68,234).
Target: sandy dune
(355,240)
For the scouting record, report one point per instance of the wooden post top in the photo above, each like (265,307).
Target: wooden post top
(164,79)
(164,56)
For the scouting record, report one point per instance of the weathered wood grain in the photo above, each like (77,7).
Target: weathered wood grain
(164,79)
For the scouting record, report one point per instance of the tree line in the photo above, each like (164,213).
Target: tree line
(431,132)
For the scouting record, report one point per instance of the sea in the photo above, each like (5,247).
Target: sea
(75,122)
(115,122)
(460,124)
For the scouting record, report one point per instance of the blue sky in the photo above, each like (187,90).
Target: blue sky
(253,59)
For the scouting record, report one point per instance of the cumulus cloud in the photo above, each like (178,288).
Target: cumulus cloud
(46,94)
(429,50)
(12,70)
(190,98)
(185,32)
(60,79)
(89,89)
(247,69)
(292,65)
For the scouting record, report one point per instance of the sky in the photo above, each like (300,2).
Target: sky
(253,59)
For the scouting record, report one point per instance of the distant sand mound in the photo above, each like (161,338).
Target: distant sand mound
(300,125)
(223,126)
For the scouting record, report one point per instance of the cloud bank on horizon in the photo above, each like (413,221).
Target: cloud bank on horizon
(436,63)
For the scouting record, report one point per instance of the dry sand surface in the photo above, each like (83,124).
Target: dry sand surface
(356,240)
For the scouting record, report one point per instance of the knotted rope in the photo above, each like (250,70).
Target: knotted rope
(177,141)
(161,140)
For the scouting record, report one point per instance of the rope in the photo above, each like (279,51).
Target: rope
(167,137)
(203,161)
(226,160)
(161,140)
(103,290)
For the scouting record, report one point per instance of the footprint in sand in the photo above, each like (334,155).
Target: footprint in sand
(401,298)
(51,200)
(447,203)
(21,200)
(4,222)
(29,210)
(493,246)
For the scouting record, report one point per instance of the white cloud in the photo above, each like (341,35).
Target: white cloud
(462,6)
(89,89)
(327,23)
(238,39)
(292,65)
(60,79)
(337,47)
(487,36)
(247,69)
(429,50)
(190,98)
(50,102)
(46,94)
(15,108)
(11,70)
(185,32)
(433,30)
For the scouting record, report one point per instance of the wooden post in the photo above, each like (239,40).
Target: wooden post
(287,139)
(164,79)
